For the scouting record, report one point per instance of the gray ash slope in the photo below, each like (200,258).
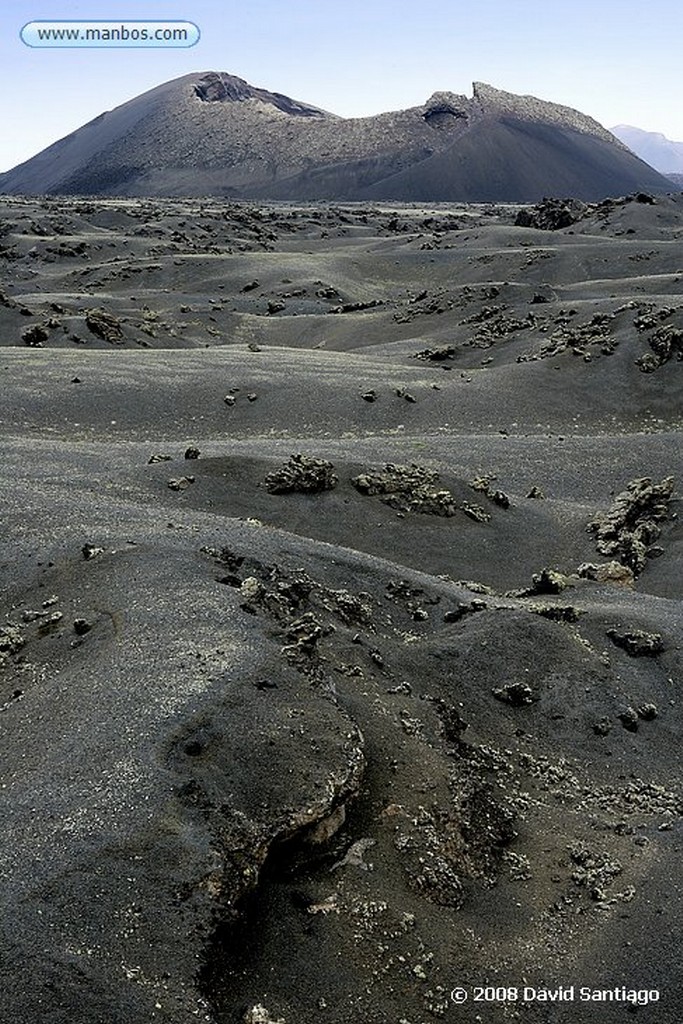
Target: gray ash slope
(214,134)
(341,609)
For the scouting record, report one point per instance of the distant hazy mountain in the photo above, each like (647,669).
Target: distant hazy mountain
(211,133)
(652,147)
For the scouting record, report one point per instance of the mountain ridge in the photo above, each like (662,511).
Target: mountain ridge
(662,153)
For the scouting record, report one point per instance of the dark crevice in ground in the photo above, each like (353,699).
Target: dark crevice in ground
(281,899)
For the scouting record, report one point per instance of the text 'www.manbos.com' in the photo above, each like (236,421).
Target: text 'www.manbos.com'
(110,33)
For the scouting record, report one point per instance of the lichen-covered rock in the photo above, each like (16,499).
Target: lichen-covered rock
(90,551)
(305,632)
(519,695)
(629,719)
(34,337)
(548,581)
(607,572)
(437,355)
(407,488)
(302,474)
(251,589)
(637,642)
(631,525)
(483,485)
(475,512)
(558,613)
(259,1015)
(11,639)
(104,325)
(666,343)
(180,483)
(592,869)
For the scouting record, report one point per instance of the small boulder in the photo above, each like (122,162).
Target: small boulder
(519,695)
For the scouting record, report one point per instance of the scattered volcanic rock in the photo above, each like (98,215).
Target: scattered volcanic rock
(551,214)
(316,757)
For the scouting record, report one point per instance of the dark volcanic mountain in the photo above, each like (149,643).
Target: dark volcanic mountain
(214,134)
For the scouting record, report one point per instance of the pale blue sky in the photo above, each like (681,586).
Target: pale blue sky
(618,61)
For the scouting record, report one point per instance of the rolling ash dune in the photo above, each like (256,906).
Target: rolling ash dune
(214,134)
(340,656)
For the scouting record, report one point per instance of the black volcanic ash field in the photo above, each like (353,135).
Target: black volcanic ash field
(341,649)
